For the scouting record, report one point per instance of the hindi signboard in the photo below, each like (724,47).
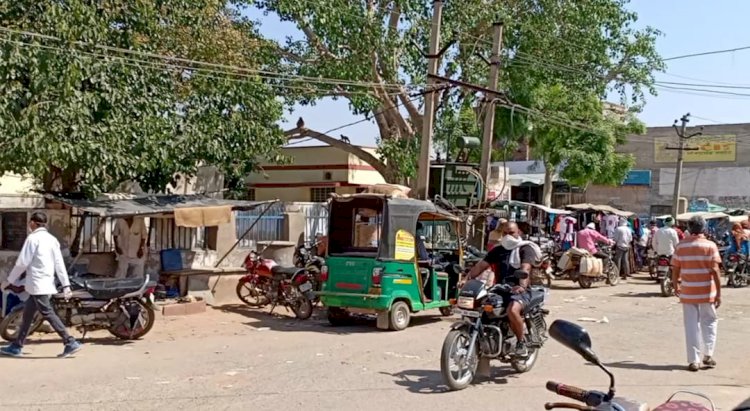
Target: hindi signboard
(710,149)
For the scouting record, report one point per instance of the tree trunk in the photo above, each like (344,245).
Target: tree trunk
(549,173)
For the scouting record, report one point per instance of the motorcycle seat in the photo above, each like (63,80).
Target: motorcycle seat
(113,288)
(287,272)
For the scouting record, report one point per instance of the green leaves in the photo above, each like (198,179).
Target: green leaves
(82,118)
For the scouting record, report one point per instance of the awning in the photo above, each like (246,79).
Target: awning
(517,180)
(547,210)
(153,205)
(705,214)
(601,208)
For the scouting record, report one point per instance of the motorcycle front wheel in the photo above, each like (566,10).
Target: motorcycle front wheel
(125,329)
(457,369)
(613,274)
(11,324)
(527,364)
(737,280)
(252,293)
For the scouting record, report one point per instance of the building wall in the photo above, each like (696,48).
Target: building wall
(630,198)
(313,167)
(721,178)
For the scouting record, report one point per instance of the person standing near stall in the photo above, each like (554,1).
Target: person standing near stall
(130,244)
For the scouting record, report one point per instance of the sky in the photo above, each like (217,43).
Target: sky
(688,26)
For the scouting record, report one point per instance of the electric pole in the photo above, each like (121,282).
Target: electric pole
(489,114)
(423,176)
(682,138)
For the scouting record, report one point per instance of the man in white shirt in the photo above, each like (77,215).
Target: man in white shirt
(130,244)
(41,259)
(666,239)
(623,237)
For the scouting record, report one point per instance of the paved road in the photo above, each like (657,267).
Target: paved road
(235,358)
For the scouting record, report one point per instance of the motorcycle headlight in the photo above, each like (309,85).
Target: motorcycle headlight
(466,302)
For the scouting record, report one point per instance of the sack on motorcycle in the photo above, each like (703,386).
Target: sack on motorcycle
(591,267)
(566,261)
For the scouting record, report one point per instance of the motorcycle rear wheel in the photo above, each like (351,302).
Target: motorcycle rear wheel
(456,343)
(584,281)
(302,307)
(667,290)
(11,323)
(613,274)
(737,280)
(527,364)
(122,329)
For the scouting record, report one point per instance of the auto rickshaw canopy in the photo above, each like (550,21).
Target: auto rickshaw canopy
(389,215)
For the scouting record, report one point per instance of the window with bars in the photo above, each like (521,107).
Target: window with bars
(250,194)
(320,194)
(163,234)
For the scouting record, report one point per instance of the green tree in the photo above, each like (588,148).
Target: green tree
(580,139)
(80,114)
(591,44)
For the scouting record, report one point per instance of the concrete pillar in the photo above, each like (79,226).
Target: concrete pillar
(294,223)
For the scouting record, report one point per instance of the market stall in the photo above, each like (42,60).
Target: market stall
(190,211)
(538,221)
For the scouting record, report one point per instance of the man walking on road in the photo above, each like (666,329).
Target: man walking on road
(696,264)
(623,241)
(41,258)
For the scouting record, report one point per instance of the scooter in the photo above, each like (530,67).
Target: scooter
(576,338)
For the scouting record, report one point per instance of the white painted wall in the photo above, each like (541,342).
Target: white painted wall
(707,182)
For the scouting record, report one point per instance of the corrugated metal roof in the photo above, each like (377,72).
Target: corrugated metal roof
(153,205)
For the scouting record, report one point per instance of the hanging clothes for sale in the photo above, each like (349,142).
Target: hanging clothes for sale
(567,233)
(609,224)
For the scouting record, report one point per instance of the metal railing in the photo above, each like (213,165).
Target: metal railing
(269,226)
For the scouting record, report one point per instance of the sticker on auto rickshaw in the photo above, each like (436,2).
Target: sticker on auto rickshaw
(405,246)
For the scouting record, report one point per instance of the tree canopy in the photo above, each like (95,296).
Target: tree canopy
(588,47)
(85,107)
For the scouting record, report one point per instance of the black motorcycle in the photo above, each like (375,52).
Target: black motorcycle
(484,333)
(124,307)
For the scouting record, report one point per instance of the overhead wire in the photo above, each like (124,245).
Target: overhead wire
(707,53)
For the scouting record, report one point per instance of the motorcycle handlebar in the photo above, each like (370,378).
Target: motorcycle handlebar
(569,391)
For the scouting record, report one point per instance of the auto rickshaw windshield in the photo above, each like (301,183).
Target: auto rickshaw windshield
(438,234)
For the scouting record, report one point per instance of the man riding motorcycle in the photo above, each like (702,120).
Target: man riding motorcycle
(666,239)
(511,260)
(589,237)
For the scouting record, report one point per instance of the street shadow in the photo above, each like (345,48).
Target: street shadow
(645,294)
(431,381)
(104,341)
(279,320)
(630,365)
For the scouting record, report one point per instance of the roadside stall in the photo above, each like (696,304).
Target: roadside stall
(175,269)
(539,222)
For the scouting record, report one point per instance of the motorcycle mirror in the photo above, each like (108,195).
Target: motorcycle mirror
(575,338)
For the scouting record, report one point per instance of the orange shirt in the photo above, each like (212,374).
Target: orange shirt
(696,257)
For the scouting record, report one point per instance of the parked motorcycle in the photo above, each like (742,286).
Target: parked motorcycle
(121,306)
(737,270)
(484,332)
(268,283)
(664,275)
(610,273)
(577,339)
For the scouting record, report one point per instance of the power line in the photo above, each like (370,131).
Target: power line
(737,87)
(192,62)
(707,53)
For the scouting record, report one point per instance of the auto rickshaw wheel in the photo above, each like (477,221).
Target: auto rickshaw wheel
(399,316)
(584,281)
(338,317)
(446,311)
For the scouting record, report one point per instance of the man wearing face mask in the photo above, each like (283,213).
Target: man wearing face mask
(512,259)
(41,259)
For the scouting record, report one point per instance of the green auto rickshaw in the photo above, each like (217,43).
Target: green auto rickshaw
(391,257)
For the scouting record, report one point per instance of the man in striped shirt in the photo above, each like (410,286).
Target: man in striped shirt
(695,273)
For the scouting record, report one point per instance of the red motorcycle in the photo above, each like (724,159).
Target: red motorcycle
(268,283)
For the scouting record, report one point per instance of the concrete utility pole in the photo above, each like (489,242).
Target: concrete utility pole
(433,56)
(680,158)
(489,114)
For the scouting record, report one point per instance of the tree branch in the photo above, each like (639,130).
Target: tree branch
(363,155)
